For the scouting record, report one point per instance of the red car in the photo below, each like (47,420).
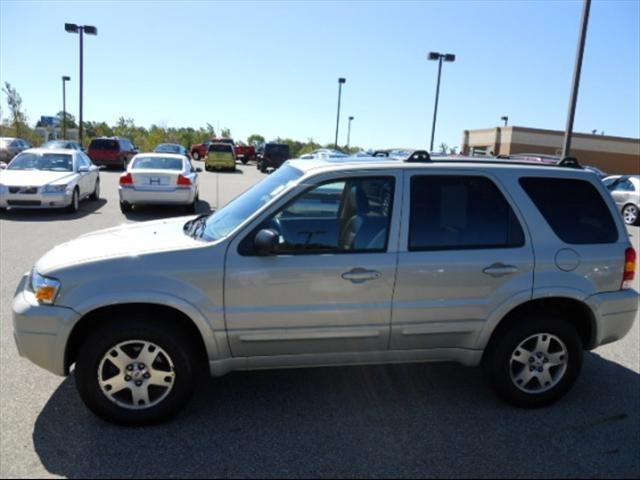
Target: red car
(111,151)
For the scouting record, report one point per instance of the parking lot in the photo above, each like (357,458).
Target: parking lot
(426,420)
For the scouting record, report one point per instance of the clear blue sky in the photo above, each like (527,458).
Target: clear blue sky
(272,68)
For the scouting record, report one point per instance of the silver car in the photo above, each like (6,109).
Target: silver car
(49,178)
(625,190)
(340,263)
(159,179)
(10,147)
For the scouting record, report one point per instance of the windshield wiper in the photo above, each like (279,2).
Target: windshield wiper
(193,227)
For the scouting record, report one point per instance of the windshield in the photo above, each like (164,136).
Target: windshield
(167,148)
(55,162)
(222,222)
(159,163)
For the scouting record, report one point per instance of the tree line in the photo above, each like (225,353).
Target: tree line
(146,139)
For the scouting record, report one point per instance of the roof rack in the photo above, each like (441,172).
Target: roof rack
(421,156)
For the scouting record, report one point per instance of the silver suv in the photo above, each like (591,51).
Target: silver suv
(517,268)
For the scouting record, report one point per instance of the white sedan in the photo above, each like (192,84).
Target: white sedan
(49,178)
(159,179)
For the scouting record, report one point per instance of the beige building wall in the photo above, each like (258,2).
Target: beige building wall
(611,154)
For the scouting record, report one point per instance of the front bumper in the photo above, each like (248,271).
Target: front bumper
(178,196)
(36,200)
(615,313)
(41,331)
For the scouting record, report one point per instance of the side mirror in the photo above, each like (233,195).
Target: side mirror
(83,169)
(266,241)
(3,165)
(199,170)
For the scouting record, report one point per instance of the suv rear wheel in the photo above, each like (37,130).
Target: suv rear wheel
(135,372)
(535,362)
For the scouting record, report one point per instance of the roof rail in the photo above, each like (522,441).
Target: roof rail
(571,162)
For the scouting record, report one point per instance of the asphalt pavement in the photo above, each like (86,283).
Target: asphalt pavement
(425,420)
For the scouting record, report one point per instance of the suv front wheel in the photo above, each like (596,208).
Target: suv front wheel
(135,372)
(535,362)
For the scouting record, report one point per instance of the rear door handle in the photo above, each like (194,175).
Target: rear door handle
(500,269)
(361,275)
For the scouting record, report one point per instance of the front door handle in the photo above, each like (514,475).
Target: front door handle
(361,275)
(500,269)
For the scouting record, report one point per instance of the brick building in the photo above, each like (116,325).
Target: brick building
(611,154)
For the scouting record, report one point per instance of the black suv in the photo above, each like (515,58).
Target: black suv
(272,155)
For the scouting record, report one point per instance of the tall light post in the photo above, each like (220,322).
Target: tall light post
(566,148)
(80,29)
(340,82)
(505,119)
(349,133)
(64,107)
(447,57)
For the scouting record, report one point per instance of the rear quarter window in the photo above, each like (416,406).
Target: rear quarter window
(574,209)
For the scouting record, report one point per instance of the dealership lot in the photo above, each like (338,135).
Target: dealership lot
(411,420)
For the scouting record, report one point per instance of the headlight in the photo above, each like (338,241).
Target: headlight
(44,288)
(55,188)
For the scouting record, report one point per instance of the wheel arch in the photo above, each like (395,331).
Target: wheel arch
(99,316)
(577,313)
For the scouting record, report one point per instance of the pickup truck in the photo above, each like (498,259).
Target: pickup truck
(244,153)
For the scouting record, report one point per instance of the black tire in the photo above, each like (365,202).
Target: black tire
(105,339)
(96,191)
(498,366)
(124,163)
(195,155)
(263,168)
(125,207)
(244,160)
(193,207)
(74,206)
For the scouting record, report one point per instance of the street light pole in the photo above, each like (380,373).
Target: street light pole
(349,133)
(566,148)
(64,107)
(81,30)
(340,82)
(505,119)
(448,57)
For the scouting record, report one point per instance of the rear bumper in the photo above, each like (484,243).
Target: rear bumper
(615,313)
(178,196)
(220,163)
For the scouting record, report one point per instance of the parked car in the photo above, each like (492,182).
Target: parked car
(62,144)
(515,268)
(272,155)
(10,147)
(323,153)
(111,151)
(220,156)
(625,190)
(159,179)
(49,178)
(200,150)
(171,148)
(244,153)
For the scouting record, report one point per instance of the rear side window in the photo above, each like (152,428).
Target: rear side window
(460,213)
(103,144)
(574,209)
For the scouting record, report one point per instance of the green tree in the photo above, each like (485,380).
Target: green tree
(443,147)
(255,139)
(225,133)
(66,120)
(18,117)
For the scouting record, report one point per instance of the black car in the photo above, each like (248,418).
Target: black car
(272,155)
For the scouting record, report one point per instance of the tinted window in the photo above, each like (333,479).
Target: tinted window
(275,150)
(351,215)
(104,144)
(574,209)
(220,147)
(453,212)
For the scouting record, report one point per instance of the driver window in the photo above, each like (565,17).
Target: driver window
(348,215)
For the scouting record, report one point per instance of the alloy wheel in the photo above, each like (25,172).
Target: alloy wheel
(136,374)
(538,363)
(630,214)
